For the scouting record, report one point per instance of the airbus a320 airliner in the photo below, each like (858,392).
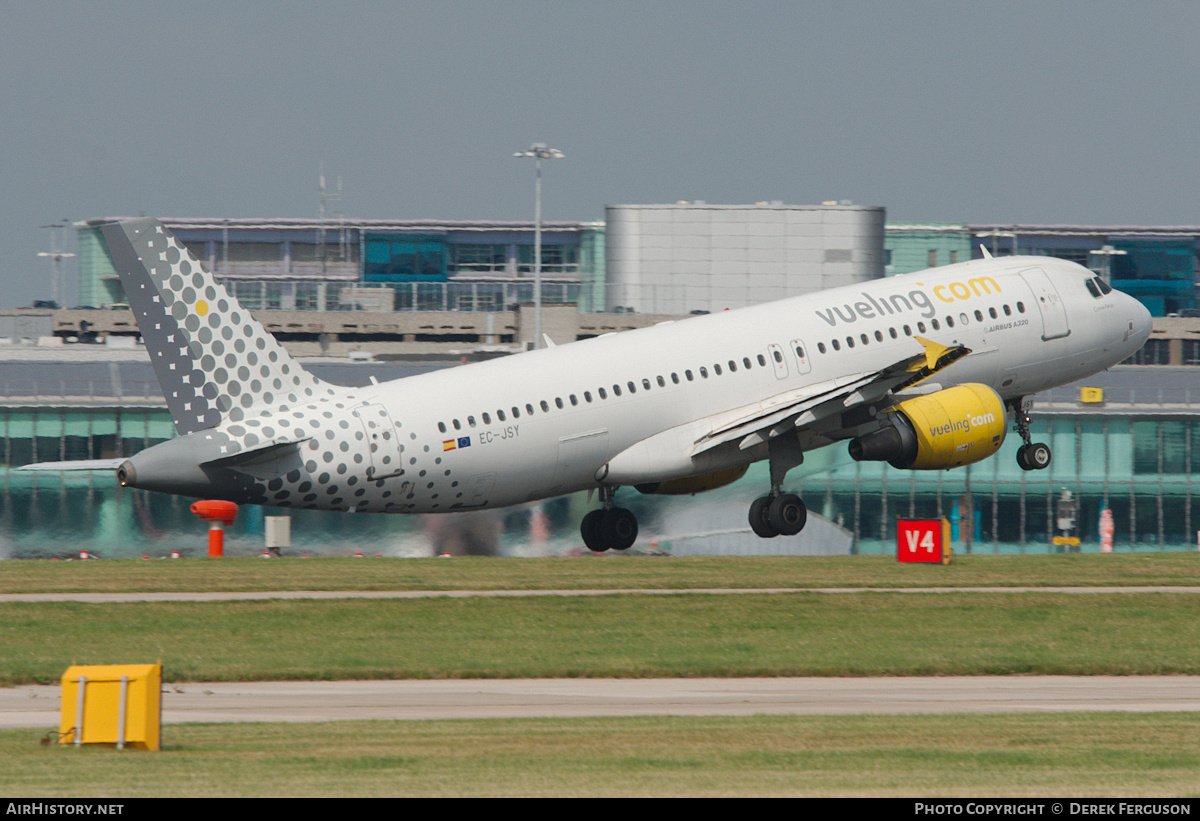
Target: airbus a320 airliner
(921,371)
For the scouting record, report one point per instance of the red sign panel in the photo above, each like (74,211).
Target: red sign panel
(919,540)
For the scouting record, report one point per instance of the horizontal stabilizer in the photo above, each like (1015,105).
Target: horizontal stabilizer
(265,452)
(265,461)
(78,464)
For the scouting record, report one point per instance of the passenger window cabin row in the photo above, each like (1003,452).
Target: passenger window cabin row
(963,320)
(1097,287)
(601,394)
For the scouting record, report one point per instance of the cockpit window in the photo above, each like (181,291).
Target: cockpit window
(1093,288)
(1105,288)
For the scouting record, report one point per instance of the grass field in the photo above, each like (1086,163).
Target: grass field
(594,572)
(623,635)
(787,634)
(1032,755)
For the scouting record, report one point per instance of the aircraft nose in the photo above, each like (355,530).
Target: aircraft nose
(1143,323)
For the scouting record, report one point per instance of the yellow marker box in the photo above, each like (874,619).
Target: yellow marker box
(1091,395)
(117,704)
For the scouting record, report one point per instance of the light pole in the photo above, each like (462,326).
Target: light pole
(539,152)
(57,255)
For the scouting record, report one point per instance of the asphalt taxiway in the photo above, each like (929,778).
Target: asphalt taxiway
(30,707)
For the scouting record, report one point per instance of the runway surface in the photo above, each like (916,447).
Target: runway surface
(38,707)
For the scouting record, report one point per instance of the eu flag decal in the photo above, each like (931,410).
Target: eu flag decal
(464,441)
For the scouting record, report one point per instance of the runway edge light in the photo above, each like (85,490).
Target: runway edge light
(117,704)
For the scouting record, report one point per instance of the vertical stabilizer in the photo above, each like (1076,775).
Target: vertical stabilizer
(213,360)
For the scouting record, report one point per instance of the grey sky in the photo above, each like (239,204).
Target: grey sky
(1068,112)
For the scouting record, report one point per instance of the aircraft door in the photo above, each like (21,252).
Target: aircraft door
(777,359)
(1049,303)
(803,365)
(383,443)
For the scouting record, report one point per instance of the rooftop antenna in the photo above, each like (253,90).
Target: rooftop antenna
(326,197)
(56,254)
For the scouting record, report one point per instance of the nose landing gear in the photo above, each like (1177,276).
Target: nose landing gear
(1031,455)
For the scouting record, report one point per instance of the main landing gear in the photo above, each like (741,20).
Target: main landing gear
(609,528)
(1031,455)
(780,514)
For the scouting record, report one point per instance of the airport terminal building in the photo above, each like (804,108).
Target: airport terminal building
(676,258)
(680,258)
(370,265)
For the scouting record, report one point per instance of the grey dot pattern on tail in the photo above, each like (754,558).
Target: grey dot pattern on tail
(213,360)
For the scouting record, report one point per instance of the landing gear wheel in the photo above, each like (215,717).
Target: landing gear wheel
(589,528)
(787,514)
(758,519)
(609,528)
(618,528)
(1034,456)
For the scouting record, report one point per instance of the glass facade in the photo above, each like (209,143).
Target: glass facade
(55,434)
(404,258)
(1158,269)
(909,248)
(282,295)
(478,258)
(556,259)
(463,294)
(98,281)
(591,268)
(1160,273)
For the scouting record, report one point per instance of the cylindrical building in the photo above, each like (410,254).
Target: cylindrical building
(691,256)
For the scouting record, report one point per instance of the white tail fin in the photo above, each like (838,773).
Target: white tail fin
(213,360)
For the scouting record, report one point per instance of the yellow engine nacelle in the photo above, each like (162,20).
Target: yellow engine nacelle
(943,430)
(689,485)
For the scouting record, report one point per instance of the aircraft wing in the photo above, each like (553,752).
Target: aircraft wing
(822,409)
(753,425)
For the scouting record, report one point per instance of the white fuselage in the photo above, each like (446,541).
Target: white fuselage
(547,422)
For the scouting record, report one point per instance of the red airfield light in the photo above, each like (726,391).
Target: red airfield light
(221,514)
